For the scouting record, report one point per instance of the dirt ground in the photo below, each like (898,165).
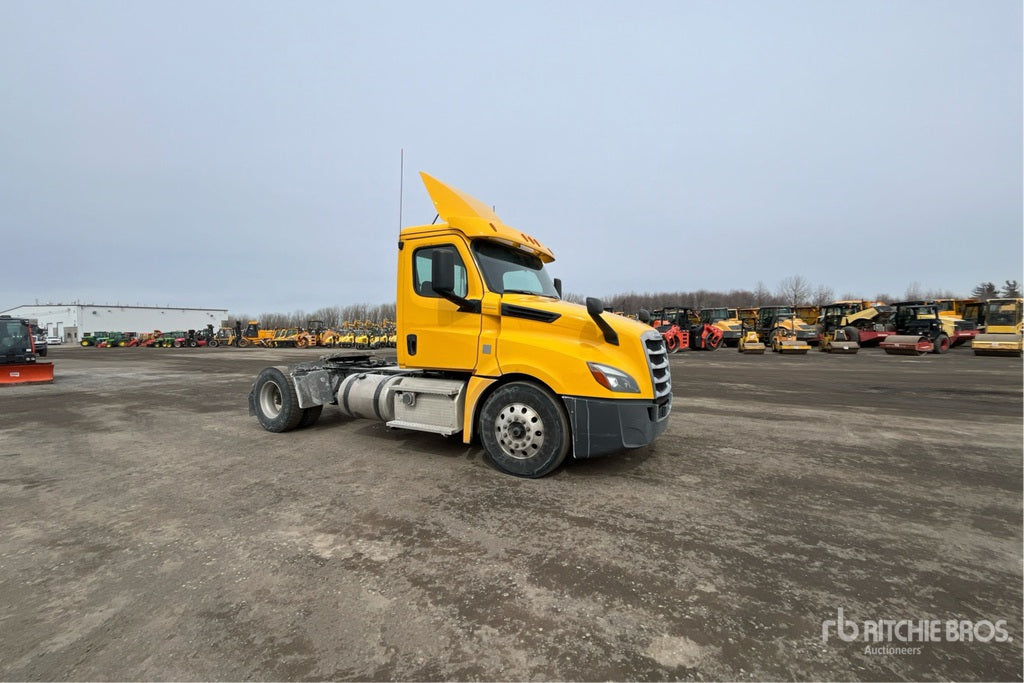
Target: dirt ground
(152,531)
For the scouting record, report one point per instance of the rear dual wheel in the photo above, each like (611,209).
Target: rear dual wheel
(277,404)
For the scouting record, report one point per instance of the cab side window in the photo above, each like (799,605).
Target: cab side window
(421,265)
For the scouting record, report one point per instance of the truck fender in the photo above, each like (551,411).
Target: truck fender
(475,389)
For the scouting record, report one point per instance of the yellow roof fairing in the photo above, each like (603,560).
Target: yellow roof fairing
(476,219)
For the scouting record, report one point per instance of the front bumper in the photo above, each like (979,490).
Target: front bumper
(603,426)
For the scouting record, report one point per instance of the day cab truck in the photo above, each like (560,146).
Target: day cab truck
(488,348)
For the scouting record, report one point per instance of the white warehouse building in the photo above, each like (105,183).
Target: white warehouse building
(71,322)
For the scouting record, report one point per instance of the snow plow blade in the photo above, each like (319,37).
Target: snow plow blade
(836,346)
(907,345)
(26,373)
(995,344)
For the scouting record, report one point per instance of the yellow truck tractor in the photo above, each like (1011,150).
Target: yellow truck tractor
(487,347)
(1003,329)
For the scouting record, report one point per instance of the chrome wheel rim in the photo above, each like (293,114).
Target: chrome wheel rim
(270,400)
(519,430)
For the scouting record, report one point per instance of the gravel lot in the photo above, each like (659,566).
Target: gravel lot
(151,530)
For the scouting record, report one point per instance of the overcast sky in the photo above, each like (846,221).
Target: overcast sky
(245,155)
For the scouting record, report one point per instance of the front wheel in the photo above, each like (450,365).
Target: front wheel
(524,430)
(277,405)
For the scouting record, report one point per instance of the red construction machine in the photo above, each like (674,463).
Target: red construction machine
(683,330)
(18,364)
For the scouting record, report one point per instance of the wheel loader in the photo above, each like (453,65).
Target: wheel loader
(1004,330)
(18,362)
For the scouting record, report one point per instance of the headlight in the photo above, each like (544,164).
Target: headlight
(613,379)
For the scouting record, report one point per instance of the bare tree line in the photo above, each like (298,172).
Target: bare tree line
(794,290)
(331,315)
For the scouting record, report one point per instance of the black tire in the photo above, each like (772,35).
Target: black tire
(192,343)
(310,416)
(672,343)
(713,345)
(176,344)
(213,343)
(243,342)
(941,343)
(277,405)
(773,338)
(852,333)
(524,430)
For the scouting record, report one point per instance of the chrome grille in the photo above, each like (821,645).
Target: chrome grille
(657,360)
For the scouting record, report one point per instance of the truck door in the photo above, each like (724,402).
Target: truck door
(433,332)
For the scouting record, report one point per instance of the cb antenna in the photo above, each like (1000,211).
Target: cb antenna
(401,184)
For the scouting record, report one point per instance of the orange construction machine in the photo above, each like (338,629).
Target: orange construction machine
(18,364)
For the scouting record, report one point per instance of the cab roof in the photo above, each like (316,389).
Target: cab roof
(473,218)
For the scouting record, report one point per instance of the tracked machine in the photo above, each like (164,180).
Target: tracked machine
(18,363)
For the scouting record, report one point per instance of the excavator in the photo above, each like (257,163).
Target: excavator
(18,364)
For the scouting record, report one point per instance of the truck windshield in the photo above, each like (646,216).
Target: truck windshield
(13,337)
(507,269)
